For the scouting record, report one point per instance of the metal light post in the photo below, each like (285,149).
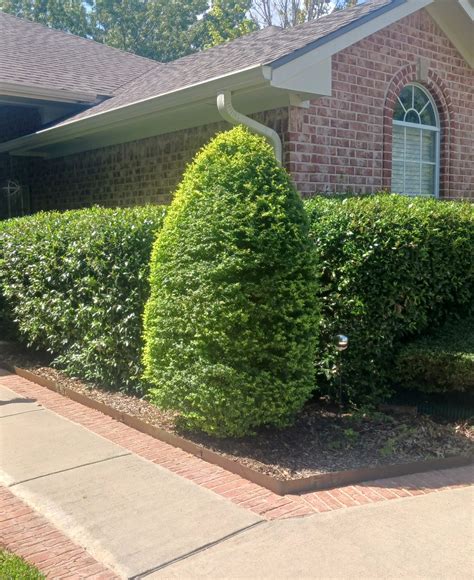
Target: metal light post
(342,342)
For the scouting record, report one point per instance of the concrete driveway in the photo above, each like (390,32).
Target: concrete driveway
(427,537)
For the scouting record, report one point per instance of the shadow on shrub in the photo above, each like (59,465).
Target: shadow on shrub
(441,362)
(391,268)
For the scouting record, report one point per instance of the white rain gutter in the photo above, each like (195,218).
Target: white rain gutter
(227,112)
(46,94)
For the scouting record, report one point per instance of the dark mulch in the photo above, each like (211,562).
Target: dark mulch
(322,440)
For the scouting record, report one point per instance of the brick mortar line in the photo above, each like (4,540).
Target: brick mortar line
(36,540)
(238,490)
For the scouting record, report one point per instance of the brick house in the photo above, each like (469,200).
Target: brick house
(379,96)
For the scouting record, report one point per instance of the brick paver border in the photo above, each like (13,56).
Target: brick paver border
(237,489)
(29,535)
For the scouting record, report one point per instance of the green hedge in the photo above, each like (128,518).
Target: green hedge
(231,323)
(391,267)
(441,362)
(77,283)
(7,325)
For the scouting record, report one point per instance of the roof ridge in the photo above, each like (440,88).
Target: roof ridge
(71,34)
(243,38)
(338,12)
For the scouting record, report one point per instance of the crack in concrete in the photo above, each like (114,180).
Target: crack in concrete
(69,469)
(21,413)
(195,551)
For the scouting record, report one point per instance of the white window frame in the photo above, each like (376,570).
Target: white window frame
(435,129)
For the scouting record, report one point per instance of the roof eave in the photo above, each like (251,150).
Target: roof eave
(240,80)
(38,93)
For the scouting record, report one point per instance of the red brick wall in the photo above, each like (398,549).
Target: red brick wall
(135,173)
(343,142)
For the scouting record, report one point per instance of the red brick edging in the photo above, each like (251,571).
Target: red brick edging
(29,535)
(237,489)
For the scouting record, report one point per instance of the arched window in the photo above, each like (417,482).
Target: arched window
(415,145)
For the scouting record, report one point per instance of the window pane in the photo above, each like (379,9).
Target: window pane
(398,142)
(406,97)
(412,144)
(427,180)
(420,99)
(412,117)
(397,177)
(399,112)
(415,161)
(428,116)
(412,178)
(429,146)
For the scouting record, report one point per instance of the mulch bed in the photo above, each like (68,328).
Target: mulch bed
(324,438)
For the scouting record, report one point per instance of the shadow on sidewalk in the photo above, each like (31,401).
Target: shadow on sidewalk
(17,400)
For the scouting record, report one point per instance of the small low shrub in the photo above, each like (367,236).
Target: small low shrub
(441,362)
(391,267)
(77,283)
(230,327)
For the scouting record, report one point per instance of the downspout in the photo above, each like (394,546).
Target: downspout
(227,111)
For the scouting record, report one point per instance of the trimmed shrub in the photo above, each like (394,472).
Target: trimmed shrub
(7,327)
(442,362)
(230,327)
(391,267)
(77,283)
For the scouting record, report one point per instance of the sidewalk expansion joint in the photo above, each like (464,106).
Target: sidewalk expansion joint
(196,551)
(21,413)
(69,469)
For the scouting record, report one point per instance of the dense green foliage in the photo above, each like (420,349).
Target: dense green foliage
(68,15)
(230,327)
(165,30)
(159,29)
(440,362)
(15,568)
(77,283)
(7,326)
(392,267)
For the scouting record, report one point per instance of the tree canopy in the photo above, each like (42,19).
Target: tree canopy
(165,30)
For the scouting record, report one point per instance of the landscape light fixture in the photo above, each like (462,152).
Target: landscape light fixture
(342,342)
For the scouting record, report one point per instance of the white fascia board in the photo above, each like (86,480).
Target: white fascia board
(241,80)
(316,82)
(45,94)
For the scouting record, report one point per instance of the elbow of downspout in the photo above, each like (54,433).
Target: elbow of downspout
(227,112)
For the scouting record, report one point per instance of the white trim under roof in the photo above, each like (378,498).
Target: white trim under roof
(37,93)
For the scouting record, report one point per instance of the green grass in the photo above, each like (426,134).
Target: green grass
(15,568)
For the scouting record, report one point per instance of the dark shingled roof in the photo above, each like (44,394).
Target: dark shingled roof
(264,46)
(34,55)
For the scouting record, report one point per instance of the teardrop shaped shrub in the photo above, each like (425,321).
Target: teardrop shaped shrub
(231,320)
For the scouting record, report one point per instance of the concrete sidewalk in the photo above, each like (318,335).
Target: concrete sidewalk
(127,512)
(144,521)
(422,537)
